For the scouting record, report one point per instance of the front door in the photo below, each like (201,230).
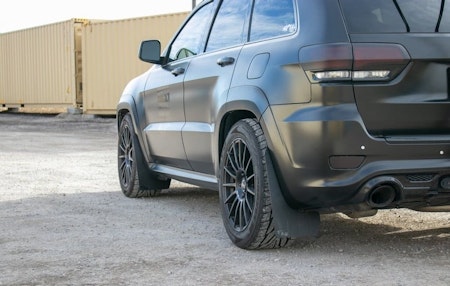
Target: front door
(164,92)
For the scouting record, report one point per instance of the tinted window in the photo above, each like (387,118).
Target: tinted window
(421,16)
(189,41)
(229,25)
(445,20)
(375,16)
(272,18)
(372,16)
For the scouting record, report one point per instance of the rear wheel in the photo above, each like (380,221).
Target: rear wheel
(128,150)
(244,190)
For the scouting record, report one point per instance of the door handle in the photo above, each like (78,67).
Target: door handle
(177,71)
(225,61)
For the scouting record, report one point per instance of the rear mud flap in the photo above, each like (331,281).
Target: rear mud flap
(288,221)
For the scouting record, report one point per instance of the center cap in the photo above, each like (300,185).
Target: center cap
(244,184)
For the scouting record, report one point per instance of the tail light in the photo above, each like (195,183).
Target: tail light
(357,62)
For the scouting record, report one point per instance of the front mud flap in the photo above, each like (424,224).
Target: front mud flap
(288,221)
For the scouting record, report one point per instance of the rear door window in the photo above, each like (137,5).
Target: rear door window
(445,20)
(395,16)
(229,28)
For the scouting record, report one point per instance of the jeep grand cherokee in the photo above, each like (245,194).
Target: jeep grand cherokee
(295,108)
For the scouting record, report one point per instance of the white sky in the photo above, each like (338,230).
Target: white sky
(22,14)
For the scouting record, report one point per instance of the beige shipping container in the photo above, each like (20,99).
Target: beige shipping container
(39,66)
(110,56)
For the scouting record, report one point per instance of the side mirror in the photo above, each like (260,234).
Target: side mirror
(150,52)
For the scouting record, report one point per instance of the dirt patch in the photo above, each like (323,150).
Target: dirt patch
(64,220)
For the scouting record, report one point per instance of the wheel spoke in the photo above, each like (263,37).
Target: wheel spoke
(230,160)
(229,185)
(249,206)
(245,214)
(127,174)
(251,192)
(236,158)
(247,166)
(122,147)
(239,154)
(250,178)
(241,215)
(233,210)
(243,155)
(230,198)
(124,136)
(123,173)
(232,175)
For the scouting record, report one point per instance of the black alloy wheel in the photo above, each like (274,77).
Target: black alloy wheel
(127,161)
(245,198)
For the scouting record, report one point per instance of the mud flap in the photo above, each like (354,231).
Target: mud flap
(147,179)
(288,221)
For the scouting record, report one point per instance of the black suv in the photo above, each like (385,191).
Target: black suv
(295,108)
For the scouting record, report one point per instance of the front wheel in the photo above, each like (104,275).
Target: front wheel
(245,198)
(128,152)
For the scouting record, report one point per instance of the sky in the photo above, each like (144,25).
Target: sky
(22,14)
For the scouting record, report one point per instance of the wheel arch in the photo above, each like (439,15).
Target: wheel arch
(242,102)
(126,105)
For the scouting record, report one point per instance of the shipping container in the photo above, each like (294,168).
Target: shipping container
(110,56)
(41,66)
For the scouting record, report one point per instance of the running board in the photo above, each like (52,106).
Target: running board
(187,176)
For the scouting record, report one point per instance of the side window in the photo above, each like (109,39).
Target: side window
(190,40)
(445,20)
(372,16)
(379,16)
(272,18)
(229,26)
(421,16)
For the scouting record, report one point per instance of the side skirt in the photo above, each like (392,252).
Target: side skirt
(190,177)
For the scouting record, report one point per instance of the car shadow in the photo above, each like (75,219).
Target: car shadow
(399,230)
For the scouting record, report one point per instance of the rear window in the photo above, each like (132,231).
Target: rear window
(396,16)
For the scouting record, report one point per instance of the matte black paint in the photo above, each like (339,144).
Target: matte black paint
(331,143)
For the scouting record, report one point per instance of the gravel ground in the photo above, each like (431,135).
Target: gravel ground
(64,221)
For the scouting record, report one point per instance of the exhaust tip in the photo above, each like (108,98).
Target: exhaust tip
(381,196)
(445,183)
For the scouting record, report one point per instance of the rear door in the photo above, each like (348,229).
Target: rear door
(207,82)
(410,40)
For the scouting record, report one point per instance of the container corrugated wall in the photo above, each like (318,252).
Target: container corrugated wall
(37,66)
(110,56)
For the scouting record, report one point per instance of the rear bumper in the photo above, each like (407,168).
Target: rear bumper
(325,160)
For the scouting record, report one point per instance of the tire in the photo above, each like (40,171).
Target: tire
(128,150)
(244,193)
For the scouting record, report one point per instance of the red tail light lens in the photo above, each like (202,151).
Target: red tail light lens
(357,62)
(389,58)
